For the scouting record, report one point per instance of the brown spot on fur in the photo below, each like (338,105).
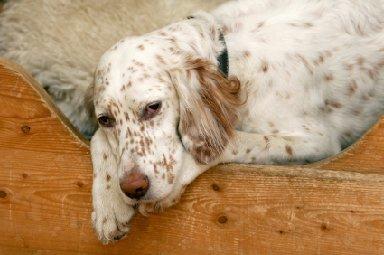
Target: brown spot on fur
(352,88)
(108,178)
(306,63)
(264,66)
(289,150)
(360,61)
(319,60)
(246,54)
(248,151)
(160,59)
(308,24)
(328,77)
(141,47)
(275,131)
(373,74)
(105,156)
(332,104)
(356,112)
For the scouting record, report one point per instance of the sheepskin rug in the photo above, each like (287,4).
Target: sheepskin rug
(60,41)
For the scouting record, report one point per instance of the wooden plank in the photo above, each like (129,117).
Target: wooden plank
(45,200)
(278,210)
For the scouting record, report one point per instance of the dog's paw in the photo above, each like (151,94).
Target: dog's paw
(111,221)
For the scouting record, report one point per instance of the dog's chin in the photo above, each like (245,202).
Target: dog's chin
(153,199)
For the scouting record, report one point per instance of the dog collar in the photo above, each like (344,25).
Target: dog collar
(223,57)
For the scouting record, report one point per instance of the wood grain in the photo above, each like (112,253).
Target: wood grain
(45,200)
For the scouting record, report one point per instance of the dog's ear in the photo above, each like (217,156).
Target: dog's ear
(208,108)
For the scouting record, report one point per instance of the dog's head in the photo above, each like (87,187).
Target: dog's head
(160,98)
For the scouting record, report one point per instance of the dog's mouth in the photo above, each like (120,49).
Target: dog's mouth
(147,198)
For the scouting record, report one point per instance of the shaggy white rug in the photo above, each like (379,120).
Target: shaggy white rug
(60,41)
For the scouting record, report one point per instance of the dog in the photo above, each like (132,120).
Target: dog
(256,82)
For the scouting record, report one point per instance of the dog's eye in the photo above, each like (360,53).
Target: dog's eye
(151,109)
(106,121)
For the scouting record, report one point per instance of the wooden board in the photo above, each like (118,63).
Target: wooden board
(45,195)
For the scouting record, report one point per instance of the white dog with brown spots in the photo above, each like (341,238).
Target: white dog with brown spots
(261,82)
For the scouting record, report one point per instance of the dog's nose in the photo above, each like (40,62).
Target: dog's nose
(134,185)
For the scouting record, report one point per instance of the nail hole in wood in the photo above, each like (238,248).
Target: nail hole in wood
(215,187)
(79,184)
(26,129)
(324,227)
(223,219)
(2,194)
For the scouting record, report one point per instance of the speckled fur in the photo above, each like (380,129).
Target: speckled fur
(311,82)
(60,41)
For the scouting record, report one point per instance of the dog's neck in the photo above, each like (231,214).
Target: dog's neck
(222,58)
(201,36)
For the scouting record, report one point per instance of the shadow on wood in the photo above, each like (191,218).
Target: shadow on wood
(45,195)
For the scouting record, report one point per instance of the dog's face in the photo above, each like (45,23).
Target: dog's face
(157,104)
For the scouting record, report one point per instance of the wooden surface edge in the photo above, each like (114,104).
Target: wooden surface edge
(45,98)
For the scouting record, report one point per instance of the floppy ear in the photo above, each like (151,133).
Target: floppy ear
(208,108)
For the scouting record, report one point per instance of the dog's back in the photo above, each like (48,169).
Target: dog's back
(308,65)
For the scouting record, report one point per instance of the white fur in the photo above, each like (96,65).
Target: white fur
(312,72)
(60,42)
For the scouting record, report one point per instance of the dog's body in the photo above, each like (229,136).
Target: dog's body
(311,82)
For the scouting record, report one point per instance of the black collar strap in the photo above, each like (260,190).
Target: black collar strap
(223,57)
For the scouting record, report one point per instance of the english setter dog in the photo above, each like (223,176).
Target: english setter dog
(255,81)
